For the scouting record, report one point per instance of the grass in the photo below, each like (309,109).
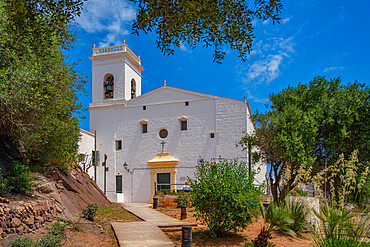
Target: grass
(114,212)
(111,213)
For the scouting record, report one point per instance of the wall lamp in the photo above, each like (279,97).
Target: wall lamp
(126,167)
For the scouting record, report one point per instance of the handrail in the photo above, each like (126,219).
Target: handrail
(115,49)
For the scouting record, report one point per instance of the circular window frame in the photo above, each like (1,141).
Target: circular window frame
(159,133)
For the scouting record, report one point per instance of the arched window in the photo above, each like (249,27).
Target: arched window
(108,86)
(133,89)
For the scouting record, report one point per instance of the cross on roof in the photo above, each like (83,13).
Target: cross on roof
(162,143)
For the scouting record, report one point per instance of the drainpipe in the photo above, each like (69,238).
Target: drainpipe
(105,174)
(246,132)
(95,158)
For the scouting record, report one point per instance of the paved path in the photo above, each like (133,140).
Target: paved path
(146,232)
(140,234)
(146,213)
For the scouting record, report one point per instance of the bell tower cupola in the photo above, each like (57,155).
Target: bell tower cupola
(116,74)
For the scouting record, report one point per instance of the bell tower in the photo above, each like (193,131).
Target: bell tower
(116,75)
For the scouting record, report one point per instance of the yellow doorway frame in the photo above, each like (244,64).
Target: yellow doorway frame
(162,163)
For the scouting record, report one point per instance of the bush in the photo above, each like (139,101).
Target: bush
(223,195)
(22,242)
(57,229)
(50,241)
(90,211)
(55,235)
(183,200)
(337,228)
(19,178)
(299,192)
(298,212)
(4,184)
(275,218)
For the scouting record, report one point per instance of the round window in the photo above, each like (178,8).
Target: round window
(163,133)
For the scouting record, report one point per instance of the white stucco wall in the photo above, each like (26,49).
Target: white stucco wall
(86,147)
(123,71)
(119,119)
(227,118)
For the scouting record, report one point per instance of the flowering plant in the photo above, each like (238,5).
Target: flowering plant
(223,195)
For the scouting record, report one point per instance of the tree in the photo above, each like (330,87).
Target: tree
(213,23)
(38,87)
(308,127)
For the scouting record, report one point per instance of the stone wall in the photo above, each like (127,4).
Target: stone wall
(25,217)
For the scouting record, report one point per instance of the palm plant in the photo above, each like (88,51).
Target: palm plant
(298,211)
(337,228)
(275,218)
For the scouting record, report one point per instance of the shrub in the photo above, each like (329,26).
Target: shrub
(299,192)
(252,244)
(55,235)
(298,212)
(50,241)
(22,242)
(19,178)
(90,211)
(57,229)
(4,184)
(337,229)
(223,195)
(275,218)
(183,200)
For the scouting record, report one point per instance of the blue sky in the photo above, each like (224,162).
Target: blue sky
(314,38)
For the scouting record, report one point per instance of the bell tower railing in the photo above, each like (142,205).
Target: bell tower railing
(115,49)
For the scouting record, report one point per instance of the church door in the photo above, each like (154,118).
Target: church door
(119,188)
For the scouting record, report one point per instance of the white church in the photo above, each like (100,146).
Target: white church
(145,140)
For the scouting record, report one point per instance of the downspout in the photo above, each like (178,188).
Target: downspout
(95,156)
(246,131)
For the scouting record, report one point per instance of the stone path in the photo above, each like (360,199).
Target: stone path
(148,232)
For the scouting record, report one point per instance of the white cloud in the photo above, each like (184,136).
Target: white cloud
(112,16)
(265,22)
(256,98)
(184,48)
(254,22)
(285,20)
(268,58)
(331,69)
(266,70)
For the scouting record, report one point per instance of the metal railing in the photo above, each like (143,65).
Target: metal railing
(168,187)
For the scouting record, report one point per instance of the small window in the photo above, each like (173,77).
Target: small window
(144,108)
(163,133)
(118,144)
(184,125)
(119,184)
(187,103)
(144,128)
(212,135)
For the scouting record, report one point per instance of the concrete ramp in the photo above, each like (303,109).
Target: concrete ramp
(146,213)
(140,234)
(149,232)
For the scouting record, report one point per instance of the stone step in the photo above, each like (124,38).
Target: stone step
(171,229)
